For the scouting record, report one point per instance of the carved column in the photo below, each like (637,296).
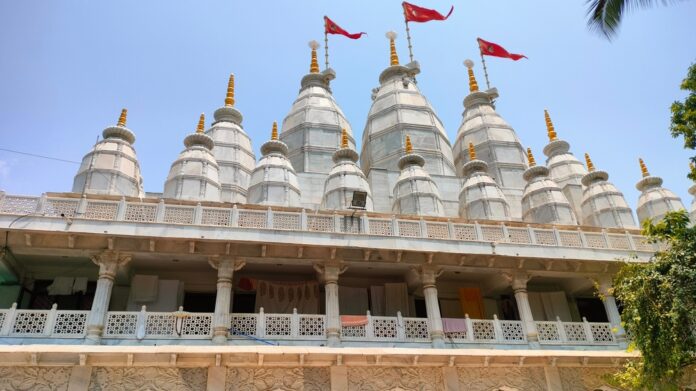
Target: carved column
(108,262)
(329,273)
(428,274)
(519,286)
(225,268)
(604,285)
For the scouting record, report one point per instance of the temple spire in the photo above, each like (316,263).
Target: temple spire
(530,158)
(122,118)
(201,124)
(274,131)
(314,65)
(643,168)
(549,126)
(473,85)
(229,99)
(393,57)
(590,166)
(472,152)
(344,138)
(409,146)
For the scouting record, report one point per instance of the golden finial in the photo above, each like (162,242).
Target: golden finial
(344,138)
(549,126)
(274,132)
(122,118)
(472,152)
(590,166)
(229,100)
(314,65)
(473,85)
(409,146)
(530,158)
(643,168)
(393,57)
(201,124)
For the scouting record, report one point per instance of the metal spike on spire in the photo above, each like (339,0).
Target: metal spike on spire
(314,65)
(344,138)
(643,168)
(122,118)
(393,57)
(274,131)
(473,85)
(229,99)
(201,124)
(409,146)
(590,166)
(549,126)
(472,152)
(530,158)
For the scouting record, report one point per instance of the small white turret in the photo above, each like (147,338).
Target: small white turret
(603,205)
(542,200)
(415,193)
(654,201)
(345,178)
(481,197)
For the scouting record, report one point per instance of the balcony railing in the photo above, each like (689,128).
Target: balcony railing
(252,217)
(557,332)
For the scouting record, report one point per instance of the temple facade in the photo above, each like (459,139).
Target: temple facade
(415,265)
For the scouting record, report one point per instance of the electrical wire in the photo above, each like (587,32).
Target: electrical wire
(39,156)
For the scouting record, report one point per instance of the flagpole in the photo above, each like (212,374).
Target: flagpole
(326,45)
(485,70)
(408,37)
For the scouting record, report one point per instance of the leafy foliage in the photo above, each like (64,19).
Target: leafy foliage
(659,301)
(604,16)
(684,115)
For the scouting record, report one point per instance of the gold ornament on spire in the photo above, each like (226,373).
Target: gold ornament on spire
(549,126)
(393,57)
(473,85)
(229,99)
(344,138)
(530,158)
(314,65)
(472,152)
(201,124)
(409,146)
(643,168)
(274,132)
(590,166)
(122,118)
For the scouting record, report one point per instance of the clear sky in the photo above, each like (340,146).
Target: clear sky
(68,67)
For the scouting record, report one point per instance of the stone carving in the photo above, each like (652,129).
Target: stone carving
(278,379)
(511,378)
(393,379)
(34,378)
(149,378)
(583,379)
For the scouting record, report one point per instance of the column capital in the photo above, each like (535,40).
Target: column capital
(330,270)
(427,274)
(226,264)
(518,280)
(109,261)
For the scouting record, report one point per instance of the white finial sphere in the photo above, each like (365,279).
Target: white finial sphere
(468,63)
(390,35)
(314,44)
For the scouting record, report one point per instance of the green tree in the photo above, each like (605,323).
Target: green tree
(604,16)
(684,116)
(659,306)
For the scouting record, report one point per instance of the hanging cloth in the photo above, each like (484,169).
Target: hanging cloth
(396,299)
(278,297)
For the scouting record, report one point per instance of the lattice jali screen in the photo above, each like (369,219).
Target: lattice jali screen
(456,335)
(197,325)
(545,237)
(575,331)
(249,219)
(286,221)
(437,230)
(58,207)
(619,242)
(642,244)
(381,227)
(141,213)
(30,322)
(512,330)
(3,315)
(492,233)
(548,331)
(519,235)
(484,330)
(159,325)
(570,239)
(101,210)
(353,332)
(278,325)
(243,324)
(595,240)
(320,223)
(178,215)
(384,327)
(416,329)
(70,323)
(601,332)
(18,205)
(409,228)
(350,224)
(121,324)
(465,232)
(312,326)
(215,216)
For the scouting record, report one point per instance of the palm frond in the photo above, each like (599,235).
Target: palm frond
(604,16)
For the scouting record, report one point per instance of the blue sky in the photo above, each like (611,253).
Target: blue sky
(68,67)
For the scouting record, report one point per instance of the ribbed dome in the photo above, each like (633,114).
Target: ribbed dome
(344,178)
(111,167)
(603,205)
(496,143)
(481,197)
(273,181)
(564,168)
(415,193)
(655,201)
(542,200)
(194,175)
(398,109)
(233,150)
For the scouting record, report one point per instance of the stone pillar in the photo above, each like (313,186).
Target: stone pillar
(519,286)
(606,290)
(225,268)
(329,272)
(428,274)
(108,261)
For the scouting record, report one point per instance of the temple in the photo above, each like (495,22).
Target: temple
(412,265)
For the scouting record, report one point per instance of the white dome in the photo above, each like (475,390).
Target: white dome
(194,175)
(543,201)
(655,201)
(481,197)
(415,193)
(603,205)
(273,181)
(344,178)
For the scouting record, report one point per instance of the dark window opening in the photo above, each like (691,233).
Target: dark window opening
(592,309)
(199,301)
(41,300)
(244,303)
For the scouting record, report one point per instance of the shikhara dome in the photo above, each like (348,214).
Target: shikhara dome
(655,201)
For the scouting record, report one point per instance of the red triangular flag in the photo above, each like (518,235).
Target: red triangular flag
(330,27)
(414,13)
(495,50)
